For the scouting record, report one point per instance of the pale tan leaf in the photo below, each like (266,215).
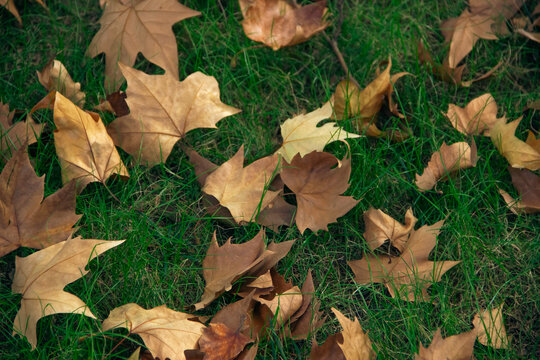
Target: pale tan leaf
(518,153)
(476,118)
(490,327)
(381,227)
(356,344)
(456,347)
(54,76)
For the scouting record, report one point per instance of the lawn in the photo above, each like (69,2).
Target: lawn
(167,230)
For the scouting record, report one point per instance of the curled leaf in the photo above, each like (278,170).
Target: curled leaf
(519,154)
(381,227)
(54,76)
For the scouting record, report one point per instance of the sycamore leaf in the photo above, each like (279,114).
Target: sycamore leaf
(456,347)
(165,332)
(85,150)
(145,26)
(42,276)
(242,190)
(329,350)
(317,186)
(54,76)
(26,219)
(10,6)
(356,344)
(381,227)
(518,153)
(410,275)
(219,342)
(302,136)
(476,118)
(279,23)
(528,186)
(448,159)
(114,103)
(13,136)
(490,327)
(283,305)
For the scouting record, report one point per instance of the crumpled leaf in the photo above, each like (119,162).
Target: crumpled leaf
(114,103)
(456,347)
(13,136)
(54,76)
(528,186)
(10,6)
(279,23)
(165,332)
(448,159)
(302,136)
(163,110)
(223,265)
(317,186)
(490,327)
(219,342)
(518,153)
(283,305)
(130,27)
(243,190)
(381,227)
(410,275)
(42,276)
(26,219)
(476,118)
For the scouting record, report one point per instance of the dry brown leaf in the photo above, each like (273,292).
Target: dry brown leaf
(518,153)
(442,71)
(42,276)
(317,186)
(329,350)
(490,327)
(85,150)
(448,159)
(163,110)
(410,275)
(528,187)
(243,190)
(26,218)
(130,27)
(219,342)
(54,76)
(279,23)
(115,103)
(381,227)
(356,344)
(10,6)
(13,136)
(165,332)
(456,347)
(476,118)
(301,135)
(284,305)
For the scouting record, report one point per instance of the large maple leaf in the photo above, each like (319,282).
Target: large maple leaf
(130,27)
(409,275)
(26,219)
(42,276)
(163,110)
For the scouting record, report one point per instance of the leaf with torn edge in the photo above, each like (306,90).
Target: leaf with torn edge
(476,118)
(54,76)
(490,327)
(455,347)
(518,153)
(381,227)
(42,276)
(528,187)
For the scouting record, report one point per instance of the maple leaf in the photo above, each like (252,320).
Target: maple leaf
(528,186)
(448,159)
(85,150)
(145,26)
(279,23)
(409,275)
(13,136)
(163,110)
(242,190)
(10,6)
(476,118)
(490,327)
(54,76)
(42,276)
(518,153)
(302,136)
(26,219)
(456,347)
(165,332)
(220,342)
(381,227)
(317,186)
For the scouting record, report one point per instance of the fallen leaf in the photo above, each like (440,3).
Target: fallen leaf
(490,327)
(317,186)
(279,23)
(145,26)
(456,347)
(518,153)
(284,305)
(237,316)
(442,71)
(219,342)
(42,276)
(302,136)
(410,275)
(381,227)
(448,159)
(329,350)
(165,332)
(26,218)
(355,344)
(114,103)
(243,190)
(10,6)
(163,110)
(478,116)
(54,76)
(13,136)
(528,187)
(85,151)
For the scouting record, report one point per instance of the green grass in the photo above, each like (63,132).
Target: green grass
(167,231)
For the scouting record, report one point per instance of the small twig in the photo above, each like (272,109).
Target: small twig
(222,9)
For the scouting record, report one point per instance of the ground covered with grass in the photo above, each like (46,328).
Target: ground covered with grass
(167,230)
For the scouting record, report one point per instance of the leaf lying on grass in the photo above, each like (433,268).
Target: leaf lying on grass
(518,153)
(22,133)
(476,118)
(528,187)
(490,327)
(381,227)
(456,347)
(54,76)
